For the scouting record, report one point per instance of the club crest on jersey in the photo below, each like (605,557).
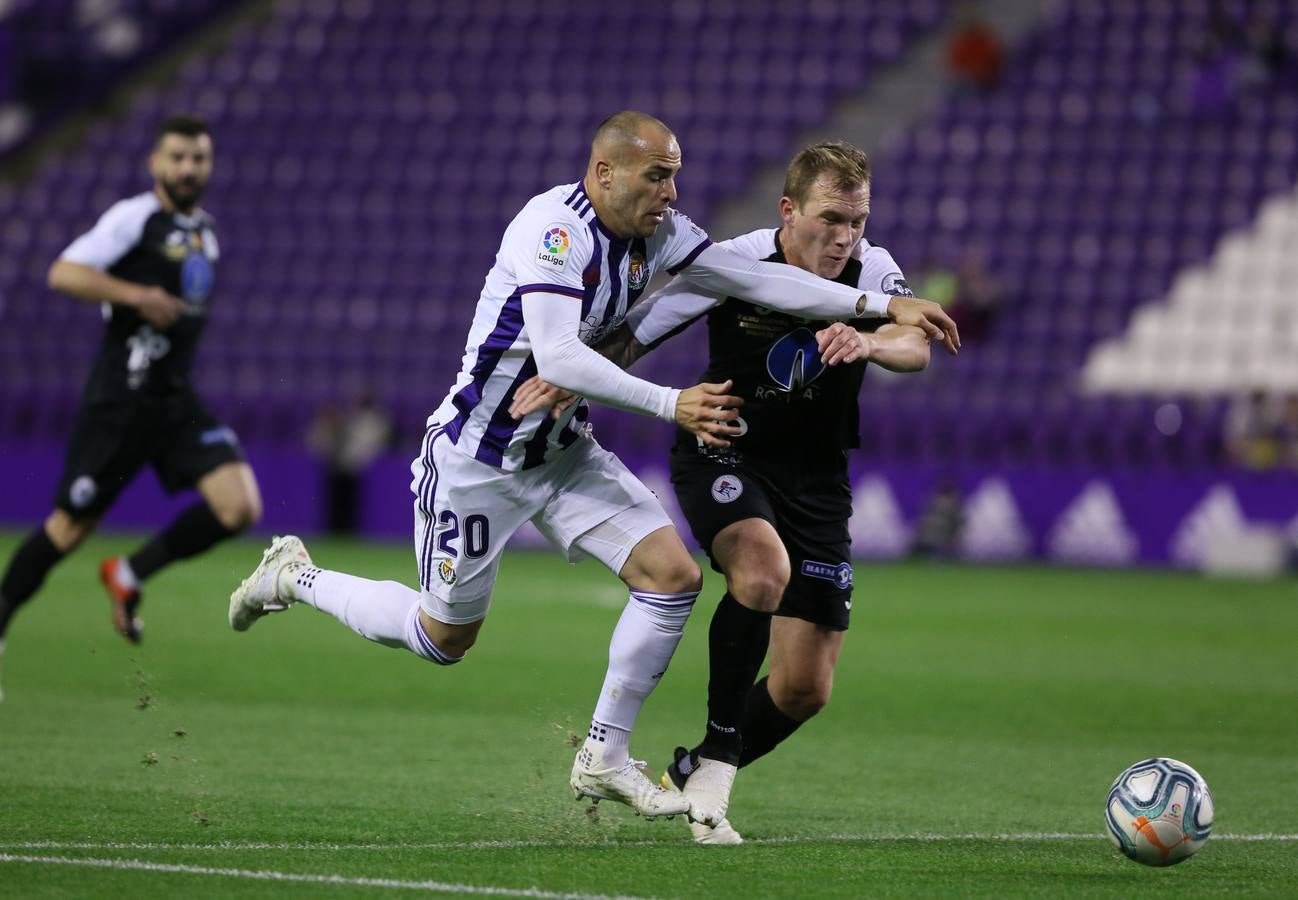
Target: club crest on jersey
(727,489)
(637,272)
(446,571)
(895,283)
(554,246)
(176,246)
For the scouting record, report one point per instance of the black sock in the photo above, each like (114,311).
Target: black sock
(737,641)
(764,725)
(193,531)
(27,570)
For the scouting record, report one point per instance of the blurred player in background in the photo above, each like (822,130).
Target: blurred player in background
(150,261)
(570,265)
(771,508)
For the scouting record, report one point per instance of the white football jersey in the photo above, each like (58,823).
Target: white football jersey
(556,245)
(681,301)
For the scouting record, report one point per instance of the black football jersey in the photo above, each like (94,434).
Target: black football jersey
(795,406)
(139,241)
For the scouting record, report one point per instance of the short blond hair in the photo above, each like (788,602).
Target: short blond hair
(845,165)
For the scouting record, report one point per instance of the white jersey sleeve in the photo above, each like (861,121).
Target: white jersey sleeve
(112,237)
(547,247)
(682,301)
(786,288)
(677,241)
(880,272)
(564,361)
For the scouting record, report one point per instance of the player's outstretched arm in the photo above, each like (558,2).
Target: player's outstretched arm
(720,271)
(898,348)
(793,290)
(620,347)
(552,322)
(83,282)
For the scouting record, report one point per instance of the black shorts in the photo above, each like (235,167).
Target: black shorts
(112,441)
(808,505)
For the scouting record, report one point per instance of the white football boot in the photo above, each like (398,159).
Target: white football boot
(724,833)
(259,594)
(624,784)
(673,780)
(708,789)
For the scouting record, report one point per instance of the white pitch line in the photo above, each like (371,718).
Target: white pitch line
(1021,837)
(438,887)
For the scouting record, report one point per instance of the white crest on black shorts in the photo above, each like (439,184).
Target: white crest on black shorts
(82,492)
(727,489)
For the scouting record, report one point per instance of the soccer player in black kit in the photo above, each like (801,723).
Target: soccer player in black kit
(772,509)
(150,261)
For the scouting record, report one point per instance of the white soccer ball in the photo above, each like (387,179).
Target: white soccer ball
(1159,812)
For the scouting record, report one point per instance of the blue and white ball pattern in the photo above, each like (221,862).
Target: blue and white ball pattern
(1159,812)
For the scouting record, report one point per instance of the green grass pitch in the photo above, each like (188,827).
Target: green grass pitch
(979,716)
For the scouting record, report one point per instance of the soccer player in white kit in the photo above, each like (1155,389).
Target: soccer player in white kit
(570,265)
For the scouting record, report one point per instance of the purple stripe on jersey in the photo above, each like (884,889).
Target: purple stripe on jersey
(569,435)
(693,254)
(590,275)
(578,191)
(534,449)
(550,289)
(616,253)
(501,428)
(509,324)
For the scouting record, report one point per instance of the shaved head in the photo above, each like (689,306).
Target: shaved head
(626,132)
(631,176)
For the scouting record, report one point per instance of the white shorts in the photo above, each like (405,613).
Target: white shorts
(586,502)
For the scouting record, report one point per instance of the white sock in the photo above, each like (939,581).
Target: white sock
(126,575)
(376,610)
(642,645)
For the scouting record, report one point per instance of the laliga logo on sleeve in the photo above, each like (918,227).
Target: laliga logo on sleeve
(554,247)
(895,284)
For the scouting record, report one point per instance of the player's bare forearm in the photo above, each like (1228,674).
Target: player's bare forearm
(900,348)
(83,282)
(621,348)
(87,283)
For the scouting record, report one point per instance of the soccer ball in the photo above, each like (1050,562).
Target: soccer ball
(1159,812)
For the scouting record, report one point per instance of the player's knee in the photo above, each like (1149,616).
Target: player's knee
(682,576)
(758,588)
(66,532)
(802,699)
(238,513)
(242,516)
(449,642)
